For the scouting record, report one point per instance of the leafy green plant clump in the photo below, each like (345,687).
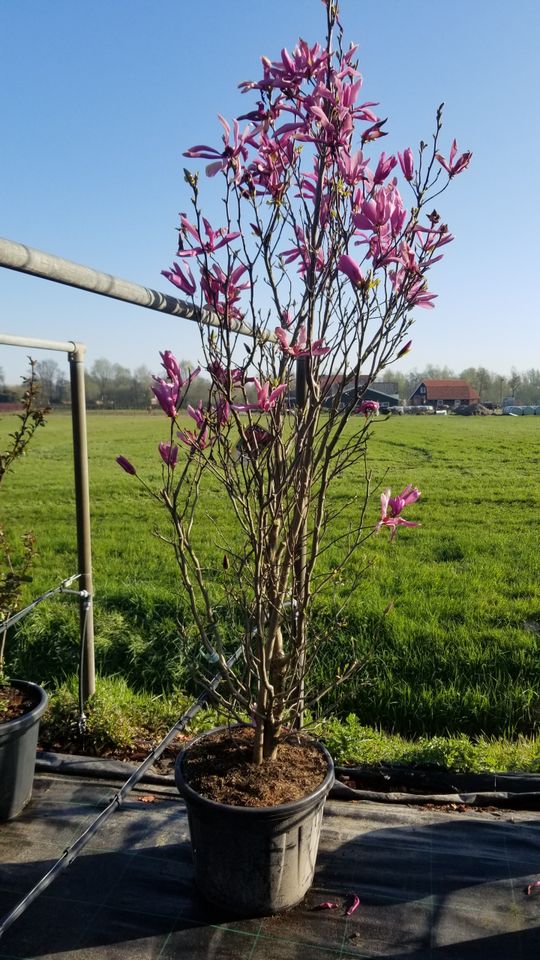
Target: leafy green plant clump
(353,744)
(119,720)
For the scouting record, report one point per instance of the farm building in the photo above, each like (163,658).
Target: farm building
(444,393)
(384,392)
(379,392)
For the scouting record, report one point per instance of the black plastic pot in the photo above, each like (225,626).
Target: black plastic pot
(254,861)
(18,742)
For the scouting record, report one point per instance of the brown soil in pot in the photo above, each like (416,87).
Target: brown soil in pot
(219,767)
(15,703)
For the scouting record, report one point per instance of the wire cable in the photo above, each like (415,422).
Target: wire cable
(71,852)
(61,588)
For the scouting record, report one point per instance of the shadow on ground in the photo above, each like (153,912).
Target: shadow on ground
(433,885)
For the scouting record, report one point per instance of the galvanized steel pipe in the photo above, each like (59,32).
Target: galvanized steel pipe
(82,500)
(19,257)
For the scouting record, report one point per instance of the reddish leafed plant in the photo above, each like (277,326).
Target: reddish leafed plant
(16,556)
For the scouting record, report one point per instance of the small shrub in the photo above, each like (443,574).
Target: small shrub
(116,717)
(446,753)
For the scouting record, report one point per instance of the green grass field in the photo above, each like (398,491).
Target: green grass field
(458,652)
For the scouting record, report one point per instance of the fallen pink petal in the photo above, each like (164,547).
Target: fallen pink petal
(353,906)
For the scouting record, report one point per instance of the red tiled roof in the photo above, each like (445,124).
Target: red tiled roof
(449,390)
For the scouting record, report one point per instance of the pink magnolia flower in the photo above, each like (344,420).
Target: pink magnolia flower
(416,294)
(174,371)
(216,283)
(391,508)
(223,412)
(232,154)
(382,246)
(374,132)
(433,238)
(330,113)
(384,168)
(406,162)
(183,279)
(266,398)
(170,364)
(270,169)
(347,69)
(168,453)
(225,376)
(300,348)
(216,238)
(424,300)
(332,108)
(383,207)
(351,268)
(197,414)
(302,252)
(126,465)
(167,395)
(352,167)
(309,189)
(254,441)
(404,350)
(263,115)
(370,408)
(453,166)
(407,257)
(193,439)
(304,63)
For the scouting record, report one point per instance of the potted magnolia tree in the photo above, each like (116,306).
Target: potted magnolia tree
(22,703)
(305,290)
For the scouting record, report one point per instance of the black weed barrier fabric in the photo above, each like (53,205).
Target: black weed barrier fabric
(385,785)
(433,882)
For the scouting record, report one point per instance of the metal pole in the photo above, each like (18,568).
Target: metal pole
(300,559)
(301,382)
(76,353)
(19,257)
(12,340)
(71,852)
(24,259)
(82,506)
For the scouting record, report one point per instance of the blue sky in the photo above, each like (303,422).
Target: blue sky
(99,99)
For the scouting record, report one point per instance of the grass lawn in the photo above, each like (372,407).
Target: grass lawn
(457,650)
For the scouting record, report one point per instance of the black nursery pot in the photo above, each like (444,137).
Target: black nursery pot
(18,742)
(254,861)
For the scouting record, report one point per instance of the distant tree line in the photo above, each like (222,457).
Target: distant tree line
(113,386)
(108,385)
